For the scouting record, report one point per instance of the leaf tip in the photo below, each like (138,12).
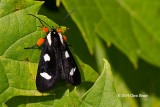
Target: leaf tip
(106,64)
(107,68)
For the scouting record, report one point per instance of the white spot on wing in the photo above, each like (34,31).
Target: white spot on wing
(72,71)
(49,38)
(46,57)
(61,38)
(66,54)
(45,75)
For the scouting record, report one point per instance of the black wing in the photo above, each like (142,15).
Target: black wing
(56,61)
(70,70)
(50,63)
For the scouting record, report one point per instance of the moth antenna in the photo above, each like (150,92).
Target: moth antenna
(39,20)
(67,16)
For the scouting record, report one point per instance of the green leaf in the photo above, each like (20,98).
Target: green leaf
(13,72)
(103,92)
(68,100)
(18,66)
(88,74)
(126,24)
(64,101)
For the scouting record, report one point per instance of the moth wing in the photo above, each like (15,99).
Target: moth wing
(48,68)
(70,69)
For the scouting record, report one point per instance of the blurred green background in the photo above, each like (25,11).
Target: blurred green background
(130,44)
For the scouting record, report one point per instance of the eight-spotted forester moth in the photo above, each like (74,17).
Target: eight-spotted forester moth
(56,60)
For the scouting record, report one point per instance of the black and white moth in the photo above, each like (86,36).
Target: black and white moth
(56,61)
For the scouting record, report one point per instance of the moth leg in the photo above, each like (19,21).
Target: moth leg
(31,47)
(39,42)
(69,45)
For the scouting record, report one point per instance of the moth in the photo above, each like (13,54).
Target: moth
(56,60)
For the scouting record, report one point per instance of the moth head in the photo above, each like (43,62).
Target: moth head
(53,30)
